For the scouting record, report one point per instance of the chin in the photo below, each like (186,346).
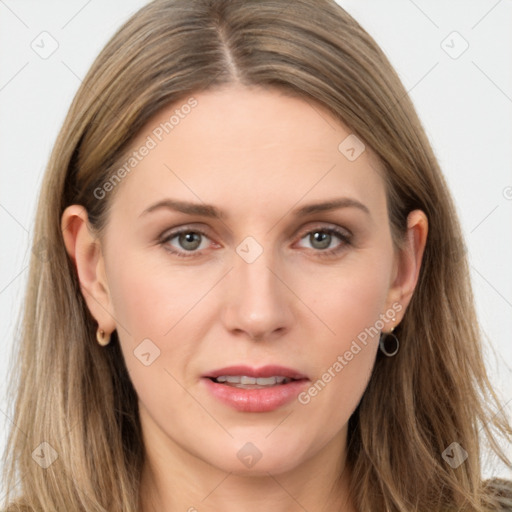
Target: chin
(249,461)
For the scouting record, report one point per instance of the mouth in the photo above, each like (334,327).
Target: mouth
(246,382)
(250,389)
(247,377)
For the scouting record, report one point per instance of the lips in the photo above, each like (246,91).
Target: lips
(263,372)
(245,381)
(248,389)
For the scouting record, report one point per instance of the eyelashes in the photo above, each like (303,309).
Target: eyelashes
(331,233)
(192,241)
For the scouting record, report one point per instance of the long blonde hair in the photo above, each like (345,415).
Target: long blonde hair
(77,396)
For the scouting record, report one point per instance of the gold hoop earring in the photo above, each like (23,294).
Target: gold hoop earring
(102,338)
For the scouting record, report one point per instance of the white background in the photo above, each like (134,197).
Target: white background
(465,105)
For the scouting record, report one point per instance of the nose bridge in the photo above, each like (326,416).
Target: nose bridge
(257,302)
(255,277)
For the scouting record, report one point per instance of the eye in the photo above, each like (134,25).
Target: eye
(185,241)
(188,242)
(326,241)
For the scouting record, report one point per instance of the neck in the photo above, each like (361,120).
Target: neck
(173,479)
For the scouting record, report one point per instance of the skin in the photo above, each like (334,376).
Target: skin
(256,154)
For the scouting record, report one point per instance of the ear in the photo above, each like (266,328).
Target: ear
(85,251)
(408,263)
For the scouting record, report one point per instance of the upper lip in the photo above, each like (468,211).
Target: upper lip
(263,371)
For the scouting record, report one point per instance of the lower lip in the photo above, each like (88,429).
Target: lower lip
(256,400)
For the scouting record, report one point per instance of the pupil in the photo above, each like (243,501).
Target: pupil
(320,239)
(190,240)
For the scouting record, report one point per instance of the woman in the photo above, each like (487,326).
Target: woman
(255,294)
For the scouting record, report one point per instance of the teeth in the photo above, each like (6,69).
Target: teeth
(259,381)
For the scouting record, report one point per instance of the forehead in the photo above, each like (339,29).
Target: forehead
(239,145)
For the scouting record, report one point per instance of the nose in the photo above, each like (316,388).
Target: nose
(257,300)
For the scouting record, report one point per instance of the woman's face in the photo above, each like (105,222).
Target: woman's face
(285,259)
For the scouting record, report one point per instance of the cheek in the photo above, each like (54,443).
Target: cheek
(149,299)
(348,298)
(162,313)
(349,301)
(150,306)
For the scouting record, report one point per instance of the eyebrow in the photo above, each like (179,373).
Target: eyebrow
(206,210)
(342,202)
